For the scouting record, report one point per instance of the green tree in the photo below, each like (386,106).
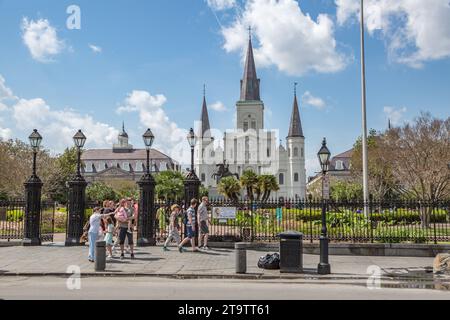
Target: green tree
(65,169)
(382,182)
(346,191)
(267,183)
(249,181)
(169,185)
(230,188)
(100,192)
(204,191)
(16,159)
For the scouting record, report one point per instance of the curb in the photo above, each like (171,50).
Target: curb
(261,277)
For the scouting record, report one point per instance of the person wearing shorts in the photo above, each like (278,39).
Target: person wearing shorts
(174,233)
(203,220)
(190,227)
(124,232)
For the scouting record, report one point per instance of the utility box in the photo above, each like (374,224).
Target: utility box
(291,252)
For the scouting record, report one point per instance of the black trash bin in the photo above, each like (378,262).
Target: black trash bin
(291,252)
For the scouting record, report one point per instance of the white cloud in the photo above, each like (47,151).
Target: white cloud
(310,100)
(5,92)
(169,138)
(288,38)
(95,49)
(58,126)
(41,39)
(5,133)
(415,31)
(395,114)
(218,106)
(219,5)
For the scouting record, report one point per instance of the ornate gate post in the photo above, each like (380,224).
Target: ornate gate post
(77,199)
(191,191)
(33,187)
(146,218)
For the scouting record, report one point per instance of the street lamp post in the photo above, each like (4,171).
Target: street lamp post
(324,265)
(146,218)
(33,188)
(191,181)
(77,198)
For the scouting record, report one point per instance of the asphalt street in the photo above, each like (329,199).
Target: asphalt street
(142,288)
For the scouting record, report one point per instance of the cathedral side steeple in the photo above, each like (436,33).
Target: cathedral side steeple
(205,128)
(295,126)
(250,82)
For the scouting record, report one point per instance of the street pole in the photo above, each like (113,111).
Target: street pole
(324,265)
(364,119)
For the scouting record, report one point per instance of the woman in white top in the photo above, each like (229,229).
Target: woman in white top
(94,230)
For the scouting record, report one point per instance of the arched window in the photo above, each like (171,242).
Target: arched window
(295,152)
(303,153)
(281,179)
(296,177)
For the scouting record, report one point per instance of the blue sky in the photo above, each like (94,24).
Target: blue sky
(153,58)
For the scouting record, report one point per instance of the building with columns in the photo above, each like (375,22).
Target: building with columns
(250,146)
(123,162)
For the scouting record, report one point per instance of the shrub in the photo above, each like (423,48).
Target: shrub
(15,215)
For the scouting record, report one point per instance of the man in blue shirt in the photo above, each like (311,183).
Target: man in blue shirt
(190,227)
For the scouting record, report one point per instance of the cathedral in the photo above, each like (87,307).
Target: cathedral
(250,146)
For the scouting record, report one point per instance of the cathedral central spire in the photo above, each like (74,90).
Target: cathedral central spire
(250,82)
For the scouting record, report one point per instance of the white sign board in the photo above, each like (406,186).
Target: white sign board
(326,187)
(224,213)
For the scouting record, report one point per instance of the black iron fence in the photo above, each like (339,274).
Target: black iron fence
(53,219)
(385,222)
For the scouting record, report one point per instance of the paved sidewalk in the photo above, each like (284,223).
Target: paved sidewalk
(55,260)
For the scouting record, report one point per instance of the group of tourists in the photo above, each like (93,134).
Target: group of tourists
(109,221)
(114,223)
(189,218)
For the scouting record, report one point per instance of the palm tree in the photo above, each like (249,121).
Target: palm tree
(249,181)
(266,184)
(230,188)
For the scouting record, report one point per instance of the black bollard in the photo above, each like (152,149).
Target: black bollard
(100,256)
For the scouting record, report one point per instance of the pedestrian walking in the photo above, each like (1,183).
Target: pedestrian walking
(204,222)
(174,227)
(190,227)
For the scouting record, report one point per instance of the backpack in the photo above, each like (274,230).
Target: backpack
(269,261)
(185,217)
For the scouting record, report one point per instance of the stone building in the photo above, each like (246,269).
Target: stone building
(123,162)
(252,147)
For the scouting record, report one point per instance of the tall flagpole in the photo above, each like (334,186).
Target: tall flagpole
(364,118)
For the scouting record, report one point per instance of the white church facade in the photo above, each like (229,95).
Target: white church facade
(250,146)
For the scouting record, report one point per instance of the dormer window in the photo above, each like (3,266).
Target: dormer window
(339,165)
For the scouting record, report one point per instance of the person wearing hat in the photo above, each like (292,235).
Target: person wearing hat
(174,227)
